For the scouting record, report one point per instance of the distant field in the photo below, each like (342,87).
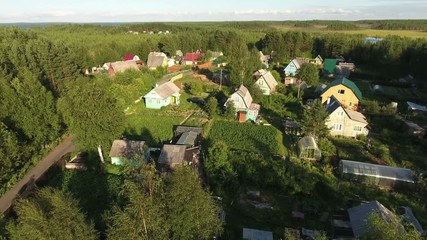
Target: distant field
(363,31)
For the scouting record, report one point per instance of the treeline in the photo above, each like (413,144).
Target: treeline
(33,73)
(419,25)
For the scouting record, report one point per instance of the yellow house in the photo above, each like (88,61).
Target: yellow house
(345,122)
(345,91)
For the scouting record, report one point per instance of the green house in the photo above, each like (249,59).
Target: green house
(162,95)
(123,151)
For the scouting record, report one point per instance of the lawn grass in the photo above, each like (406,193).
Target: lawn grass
(248,136)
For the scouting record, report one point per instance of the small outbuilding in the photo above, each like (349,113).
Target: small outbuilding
(380,175)
(126,150)
(308,148)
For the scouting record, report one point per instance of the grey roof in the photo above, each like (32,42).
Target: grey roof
(359,215)
(356,116)
(166,89)
(267,76)
(172,154)
(255,234)
(126,148)
(378,171)
(414,106)
(245,94)
(122,66)
(156,59)
(299,61)
(409,216)
(353,115)
(182,129)
(188,138)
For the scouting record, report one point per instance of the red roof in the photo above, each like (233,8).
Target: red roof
(191,57)
(129,57)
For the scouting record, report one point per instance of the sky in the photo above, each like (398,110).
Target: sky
(211,10)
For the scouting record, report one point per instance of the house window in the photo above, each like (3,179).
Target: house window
(341,91)
(337,126)
(158,101)
(236,99)
(350,104)
(357,128)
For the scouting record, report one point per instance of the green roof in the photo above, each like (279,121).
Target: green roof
(347,83)
(329,65)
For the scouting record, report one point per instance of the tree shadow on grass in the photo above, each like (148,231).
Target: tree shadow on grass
(96,191)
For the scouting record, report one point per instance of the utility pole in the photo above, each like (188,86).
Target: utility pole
(220,80)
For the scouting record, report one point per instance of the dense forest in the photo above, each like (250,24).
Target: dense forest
(44,95)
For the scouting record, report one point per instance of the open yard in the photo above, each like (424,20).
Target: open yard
(248,136)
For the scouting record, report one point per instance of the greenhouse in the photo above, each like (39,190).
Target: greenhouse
(383,176)
(308,149)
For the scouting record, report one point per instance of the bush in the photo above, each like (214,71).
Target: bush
(195,87)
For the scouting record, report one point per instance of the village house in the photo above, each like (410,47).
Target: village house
(265,59)
(126,151)
(265,81)
(157,59)
(173,155)
(345,122)
(162,95)
(318,61)
(120,67)
(344,69)
(131,57)
(293,67)
(242,100)
(360,214)
(345,91)
(190,58)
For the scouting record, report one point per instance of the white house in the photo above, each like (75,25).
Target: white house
(265,81)
(242,100)
(345,122)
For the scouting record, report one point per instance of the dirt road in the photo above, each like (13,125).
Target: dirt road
(51,158)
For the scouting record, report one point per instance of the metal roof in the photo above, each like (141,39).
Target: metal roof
(188,138)
(360,214)
(172,154)
(267,76)
(378,171)
(347,83)
(126,148)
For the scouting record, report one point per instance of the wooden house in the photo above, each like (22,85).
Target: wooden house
(345,91)
(157,59)
(345,122)
(131,57)
(163,95)
(123,151)
(120,67)
(265,81)
(190,58)
(292,68)
(242,99)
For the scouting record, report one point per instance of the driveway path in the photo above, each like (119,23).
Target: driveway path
(36,172)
